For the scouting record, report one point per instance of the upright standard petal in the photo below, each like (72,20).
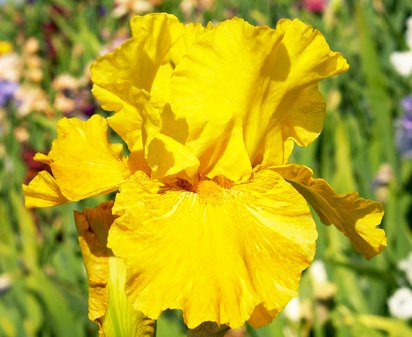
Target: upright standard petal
(82,160)
(137,60)
(134,81)
(127,122)
(216,253)
(355,217)
(167,157)
(225,66)
(259,90)
(126,75)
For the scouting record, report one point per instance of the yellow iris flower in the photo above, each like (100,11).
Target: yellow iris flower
(210,218)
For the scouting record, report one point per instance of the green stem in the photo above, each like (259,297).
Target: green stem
(208,329)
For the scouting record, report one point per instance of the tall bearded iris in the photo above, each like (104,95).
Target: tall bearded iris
(210,218)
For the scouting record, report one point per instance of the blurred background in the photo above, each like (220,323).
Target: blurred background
(45,51)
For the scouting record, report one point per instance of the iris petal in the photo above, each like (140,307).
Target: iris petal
(134,81)
(82,160)
(258,89)
(124,78)
(355,217)
(92,227)
(217,253)
(108,305)
(43,191)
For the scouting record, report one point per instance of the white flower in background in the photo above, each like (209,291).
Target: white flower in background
(406,266)
(5,282)
(188,6)
(402,60)
(123,7)
(400,303)
(10,67)
(318,273)
(30,99)
(322,287)
(292,310)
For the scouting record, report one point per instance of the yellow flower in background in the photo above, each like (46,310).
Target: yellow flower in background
(5,47)
(210,217)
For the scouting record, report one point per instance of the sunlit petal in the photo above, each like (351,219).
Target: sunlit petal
(83,161)
(167,157)
(127,75)
(92,227)
(217,253)
(258,85)
(355,217)
(108,305)
(43,191)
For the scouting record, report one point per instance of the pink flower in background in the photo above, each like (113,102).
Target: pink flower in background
(316,6)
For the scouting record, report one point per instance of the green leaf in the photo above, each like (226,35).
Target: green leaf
(61,318)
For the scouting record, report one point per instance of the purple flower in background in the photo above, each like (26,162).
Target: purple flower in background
(7,91)
(101,10)
(404,129)
(406,104)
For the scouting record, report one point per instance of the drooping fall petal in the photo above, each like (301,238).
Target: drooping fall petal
(92,227)
(43,191)
(355,217)
(217,253)
(82,160)
(108,305)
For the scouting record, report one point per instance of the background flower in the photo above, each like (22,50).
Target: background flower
(316,6)
(402,60)
(406,266)
(404,129)
(400,303)
(7,91)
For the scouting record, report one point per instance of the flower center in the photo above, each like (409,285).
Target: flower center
(209,191)
(204,186)
(208,188)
